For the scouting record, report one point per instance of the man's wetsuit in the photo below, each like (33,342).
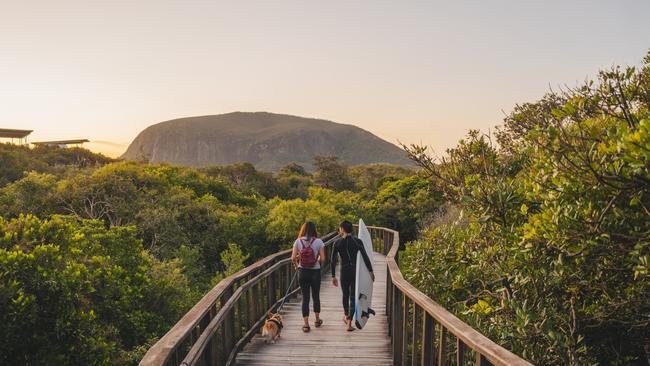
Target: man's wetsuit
(348,248)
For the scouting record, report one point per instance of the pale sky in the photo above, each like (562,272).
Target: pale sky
(414,71)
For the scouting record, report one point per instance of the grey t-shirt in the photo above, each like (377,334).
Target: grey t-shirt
(315,246)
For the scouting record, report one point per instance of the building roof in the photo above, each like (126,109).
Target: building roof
(11,133)
(61,142)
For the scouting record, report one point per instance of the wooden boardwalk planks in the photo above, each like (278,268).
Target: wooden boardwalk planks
(329,344)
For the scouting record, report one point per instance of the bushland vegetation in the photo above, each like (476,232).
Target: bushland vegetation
(99,258)
(545,243)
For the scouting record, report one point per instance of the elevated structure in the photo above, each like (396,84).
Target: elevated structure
(61,143)
(13,134)
(409,328)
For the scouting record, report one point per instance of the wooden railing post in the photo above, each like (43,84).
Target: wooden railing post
(416,326)
(289,274)
(442,346)
(250,313)
(217,351)
(481,360)
(389,297)
(428,342)
(228,327)
(281,277)
(209,356)
(259,300)
(405,331)
(239,330)
(271,288)
(460,352)
(386,242)
(397,326)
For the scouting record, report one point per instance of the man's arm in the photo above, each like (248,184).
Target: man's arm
(335,257)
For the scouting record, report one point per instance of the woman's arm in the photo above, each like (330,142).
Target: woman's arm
(321,254)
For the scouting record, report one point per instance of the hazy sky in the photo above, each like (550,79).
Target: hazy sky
(414,71)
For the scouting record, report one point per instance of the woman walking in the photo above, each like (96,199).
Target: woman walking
(307,255)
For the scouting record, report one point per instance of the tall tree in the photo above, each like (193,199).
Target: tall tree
(332,174)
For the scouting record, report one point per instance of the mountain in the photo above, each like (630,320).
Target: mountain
(267,140)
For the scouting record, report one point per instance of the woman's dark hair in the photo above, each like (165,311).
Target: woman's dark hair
(308,230)
(346,226)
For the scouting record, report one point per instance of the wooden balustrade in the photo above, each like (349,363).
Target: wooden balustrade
(423,332)
(229,315)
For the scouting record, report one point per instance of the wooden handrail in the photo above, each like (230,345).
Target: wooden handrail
(226,318)
(406,304)
(174,345)
(195,353)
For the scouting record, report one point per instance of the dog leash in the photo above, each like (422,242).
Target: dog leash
(287,293)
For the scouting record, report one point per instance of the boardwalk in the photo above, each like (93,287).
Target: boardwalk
(329,344)
(217,330)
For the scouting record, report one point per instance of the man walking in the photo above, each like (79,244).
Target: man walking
(347,247)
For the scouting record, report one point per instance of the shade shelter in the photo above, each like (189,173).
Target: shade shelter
(61,143)
(13,134)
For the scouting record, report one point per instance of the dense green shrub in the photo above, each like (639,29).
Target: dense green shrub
(16,160)
(76,292)
(549,253)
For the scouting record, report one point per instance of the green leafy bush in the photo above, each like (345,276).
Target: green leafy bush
(548,254)
(77,293)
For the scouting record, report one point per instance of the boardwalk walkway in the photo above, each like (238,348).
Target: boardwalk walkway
(329,344)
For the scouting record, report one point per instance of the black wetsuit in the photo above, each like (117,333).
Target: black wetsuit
(348,248)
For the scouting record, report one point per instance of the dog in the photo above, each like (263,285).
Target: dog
(272,327)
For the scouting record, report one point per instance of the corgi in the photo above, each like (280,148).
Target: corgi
(272,327)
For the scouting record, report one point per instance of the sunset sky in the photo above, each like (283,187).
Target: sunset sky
(413,71)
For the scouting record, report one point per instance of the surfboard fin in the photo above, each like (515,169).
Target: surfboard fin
(367,314)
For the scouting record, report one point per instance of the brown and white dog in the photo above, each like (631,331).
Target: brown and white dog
(272,327)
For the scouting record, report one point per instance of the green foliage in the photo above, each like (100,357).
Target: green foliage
(32,194)
(19,159)
(548,254)
(405,204)
(294,181)
(286,218)
(370,178)
(245,178)
(92,289)
(233,259)
(293,169)
(332,174)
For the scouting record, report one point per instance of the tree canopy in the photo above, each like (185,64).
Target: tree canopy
(546,248)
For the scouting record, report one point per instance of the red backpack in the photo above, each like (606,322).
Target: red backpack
(307,257)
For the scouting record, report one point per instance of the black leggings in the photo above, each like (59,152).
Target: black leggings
(309,279)
(348,274)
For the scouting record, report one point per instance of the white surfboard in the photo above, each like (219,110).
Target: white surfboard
(363,284)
